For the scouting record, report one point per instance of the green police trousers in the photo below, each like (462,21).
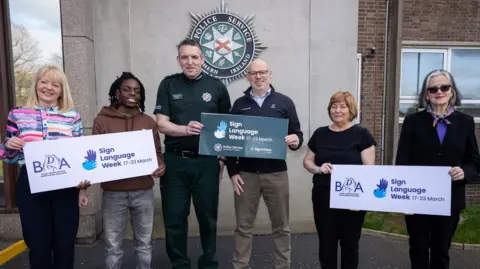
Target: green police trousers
(184,179)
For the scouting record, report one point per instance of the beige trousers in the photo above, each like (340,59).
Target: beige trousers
(275,191)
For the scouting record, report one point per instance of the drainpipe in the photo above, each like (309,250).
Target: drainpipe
(384,91)
(392,81)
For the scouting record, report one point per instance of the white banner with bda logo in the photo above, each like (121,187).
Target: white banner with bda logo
(63,163)
(400,189)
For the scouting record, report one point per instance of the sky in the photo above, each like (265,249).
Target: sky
(42,20)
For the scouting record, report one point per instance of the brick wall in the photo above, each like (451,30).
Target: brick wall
(423,20)
(371,33)
(473,194)
(441,20)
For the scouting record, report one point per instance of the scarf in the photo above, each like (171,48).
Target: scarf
(440,117)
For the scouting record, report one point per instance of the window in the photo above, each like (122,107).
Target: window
(36,40)
(463,63)
(30,36)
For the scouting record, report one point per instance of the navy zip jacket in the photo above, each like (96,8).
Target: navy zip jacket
(275,105)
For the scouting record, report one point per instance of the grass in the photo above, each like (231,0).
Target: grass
(468,230)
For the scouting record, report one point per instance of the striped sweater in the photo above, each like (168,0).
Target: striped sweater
(36,125)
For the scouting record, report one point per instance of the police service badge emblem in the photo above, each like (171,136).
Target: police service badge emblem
(228,42)
(206,97)
(217,147)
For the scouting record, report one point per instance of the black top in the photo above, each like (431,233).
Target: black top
(419,145)
(183,100)
(275,105)
(343,147)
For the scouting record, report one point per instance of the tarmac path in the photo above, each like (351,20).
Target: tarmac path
(375,252)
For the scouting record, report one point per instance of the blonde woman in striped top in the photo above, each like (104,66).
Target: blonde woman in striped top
(49,219)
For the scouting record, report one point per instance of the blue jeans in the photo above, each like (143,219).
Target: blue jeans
(116,205)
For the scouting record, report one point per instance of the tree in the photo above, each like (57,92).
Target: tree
(25,59)
(56,59)
(25,48)
(23,83)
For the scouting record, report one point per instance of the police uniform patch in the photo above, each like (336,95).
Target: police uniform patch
(177,96)
(206,97)
(228,42)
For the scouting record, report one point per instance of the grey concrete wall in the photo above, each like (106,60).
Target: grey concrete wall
(311,50)
(79,64)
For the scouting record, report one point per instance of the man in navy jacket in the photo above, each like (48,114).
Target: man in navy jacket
(252,177)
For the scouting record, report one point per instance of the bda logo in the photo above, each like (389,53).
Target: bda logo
(349,187)
(221,130)
(52,165)
(381,190)
(90,160)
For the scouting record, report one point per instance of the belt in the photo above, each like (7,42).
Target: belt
(183,153)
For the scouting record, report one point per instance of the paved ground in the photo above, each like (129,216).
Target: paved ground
(6,244)
(376,252)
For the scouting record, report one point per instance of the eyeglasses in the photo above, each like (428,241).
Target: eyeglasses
(443,88)
(261,73)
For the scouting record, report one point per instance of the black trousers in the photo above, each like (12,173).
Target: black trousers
(434,233)
(334,225)
(189,179)
(49,224)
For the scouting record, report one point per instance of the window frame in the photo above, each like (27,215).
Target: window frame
(447,52)
(7,96)
(359,88)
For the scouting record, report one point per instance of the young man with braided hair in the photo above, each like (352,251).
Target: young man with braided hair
(134,195)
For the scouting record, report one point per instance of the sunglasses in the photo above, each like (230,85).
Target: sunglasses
(443,88)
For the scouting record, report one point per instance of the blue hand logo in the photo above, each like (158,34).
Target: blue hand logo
(222,126)
(381,190)
(221,130)
(91,160)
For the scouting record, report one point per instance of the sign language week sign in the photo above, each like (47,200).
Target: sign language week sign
(63,163)
(243,136)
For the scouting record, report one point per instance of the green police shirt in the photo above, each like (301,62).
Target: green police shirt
(184,99)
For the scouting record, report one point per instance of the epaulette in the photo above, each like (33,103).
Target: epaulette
(172,76)
(212,77)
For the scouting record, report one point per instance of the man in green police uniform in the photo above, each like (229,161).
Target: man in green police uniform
(181,98)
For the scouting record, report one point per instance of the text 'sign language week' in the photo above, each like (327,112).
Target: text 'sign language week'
(401,189)
(63,163)
(243,136)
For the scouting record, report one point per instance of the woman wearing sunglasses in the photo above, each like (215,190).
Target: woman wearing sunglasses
(439,135)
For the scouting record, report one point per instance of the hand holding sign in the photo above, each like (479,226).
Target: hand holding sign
(15,143)
(160,171)
(292,140)
(194,128)
(83,185)
(326,168)
(456,173)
